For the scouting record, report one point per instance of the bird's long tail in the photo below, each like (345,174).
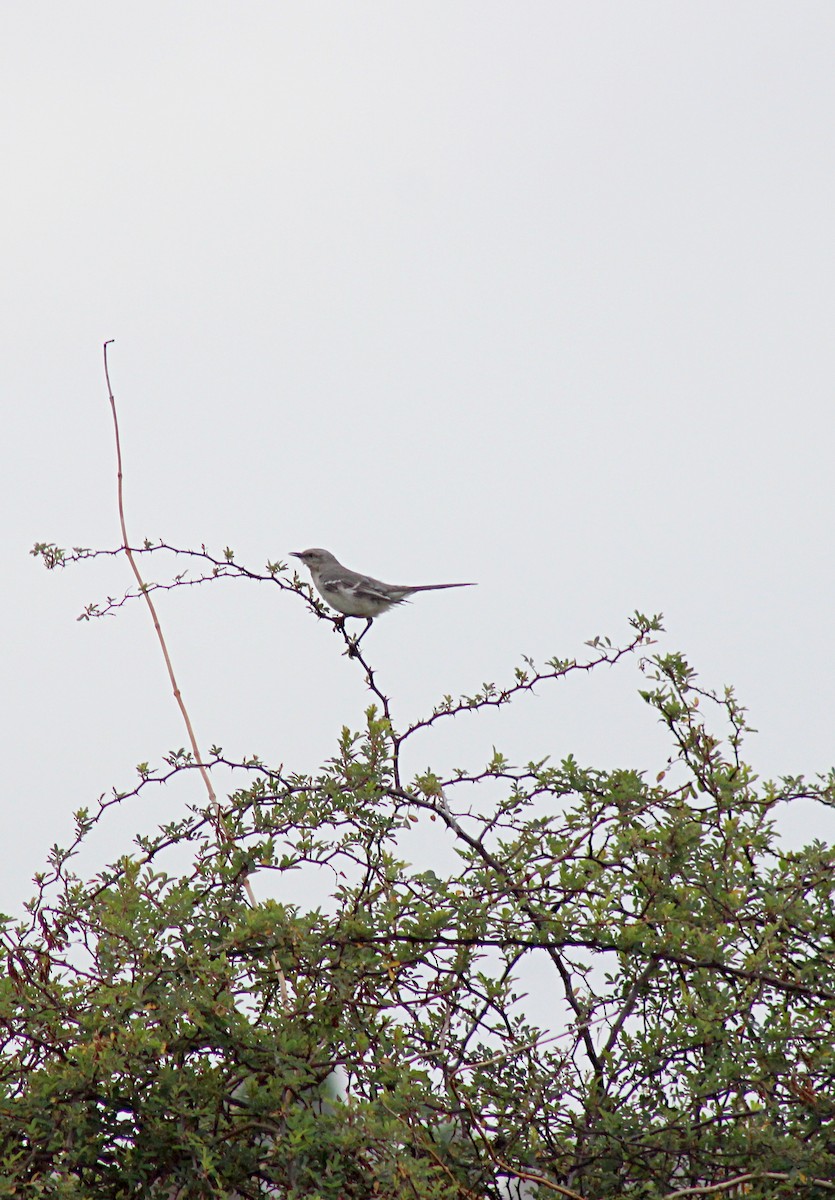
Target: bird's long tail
(435,587)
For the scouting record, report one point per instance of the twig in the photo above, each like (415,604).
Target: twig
(145,593)
(708,1189)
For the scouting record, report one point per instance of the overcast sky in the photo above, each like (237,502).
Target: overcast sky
(537,294)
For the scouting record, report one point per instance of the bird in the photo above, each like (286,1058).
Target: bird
(356,595)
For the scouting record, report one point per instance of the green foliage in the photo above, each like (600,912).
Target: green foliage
(164,1037)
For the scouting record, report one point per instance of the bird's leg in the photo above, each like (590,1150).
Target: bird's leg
(353,643)
(368,623)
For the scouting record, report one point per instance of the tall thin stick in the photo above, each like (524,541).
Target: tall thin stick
(195,749)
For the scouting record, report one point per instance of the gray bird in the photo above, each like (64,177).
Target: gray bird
(357,595)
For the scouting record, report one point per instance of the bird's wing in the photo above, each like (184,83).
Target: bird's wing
(373,590)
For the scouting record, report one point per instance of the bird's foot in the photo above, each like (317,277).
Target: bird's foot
(353,650)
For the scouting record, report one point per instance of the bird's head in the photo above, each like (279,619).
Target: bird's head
(315,558)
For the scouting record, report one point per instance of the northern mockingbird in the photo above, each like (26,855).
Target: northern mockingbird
(357,595)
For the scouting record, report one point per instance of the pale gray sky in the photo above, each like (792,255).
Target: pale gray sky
(538,294)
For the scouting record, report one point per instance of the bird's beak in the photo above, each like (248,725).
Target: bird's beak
(295,554)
